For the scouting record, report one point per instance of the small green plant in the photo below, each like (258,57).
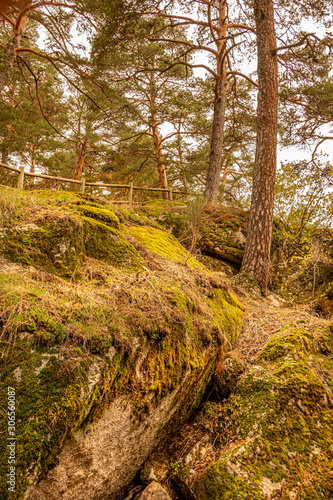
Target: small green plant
(179,468)
(100,343)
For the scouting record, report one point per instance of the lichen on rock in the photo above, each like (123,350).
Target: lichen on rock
(281,416)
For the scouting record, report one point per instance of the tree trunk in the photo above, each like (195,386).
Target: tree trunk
(82,157)
(224,179)
(33,159)
(159,154)
(14,43)
(8,130)
(256,261)
(156,136)
(216,150)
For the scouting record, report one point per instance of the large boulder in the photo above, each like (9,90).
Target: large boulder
(108,350)
(280,415)
(305,272)
(224,233)
(272,438)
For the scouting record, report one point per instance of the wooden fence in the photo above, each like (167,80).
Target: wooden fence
(82,184)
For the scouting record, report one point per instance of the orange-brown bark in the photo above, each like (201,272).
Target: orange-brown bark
(157,141)
(256,261)
(14,41)
(33,159)
(82,157)
(216,151)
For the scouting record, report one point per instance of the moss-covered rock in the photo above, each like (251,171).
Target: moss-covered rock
(306,272)
(99,214)
(104,367)
(162,243)
(281,417)
(108,245)
(53,242)
(224,233)
(170,215)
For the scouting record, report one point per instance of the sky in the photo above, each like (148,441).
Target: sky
(283,154)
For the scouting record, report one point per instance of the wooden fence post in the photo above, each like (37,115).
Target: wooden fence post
(130,194)
(20,180)
(82,185)
(170,194)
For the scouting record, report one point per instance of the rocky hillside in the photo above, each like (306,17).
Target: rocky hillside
(137,374)
(107,337)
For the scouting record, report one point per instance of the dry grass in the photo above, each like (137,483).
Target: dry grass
(263,318)
(13,203)
(105,307)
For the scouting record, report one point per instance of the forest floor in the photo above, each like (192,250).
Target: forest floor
(264,317)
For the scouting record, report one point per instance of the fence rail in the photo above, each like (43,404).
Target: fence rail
(82,184)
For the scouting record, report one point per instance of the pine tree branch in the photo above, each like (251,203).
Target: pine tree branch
(242,26)
(36,53)
(183,42)
(6,18)
(237,73)
(190,66)
(296,44)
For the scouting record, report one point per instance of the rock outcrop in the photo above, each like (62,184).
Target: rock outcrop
(271,438)
(108,339)
(112,338)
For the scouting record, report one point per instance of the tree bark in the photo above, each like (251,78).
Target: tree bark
(224,179)
(159,155)
(256,261)
(157,139)
(8,131)
(14,42)
(82,157)
(216,150)
(33,159)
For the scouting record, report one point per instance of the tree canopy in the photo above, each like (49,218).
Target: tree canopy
(162,93)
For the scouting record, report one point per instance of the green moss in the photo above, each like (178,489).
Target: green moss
(280,419)
(228,315)
(223,233)
(49,197)
(163,244)
(100,214)
(53,242)
(107,244)
(50,405)
(133,217)
(289,341)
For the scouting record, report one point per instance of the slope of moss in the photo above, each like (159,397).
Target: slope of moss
(100,214)
(162,243)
